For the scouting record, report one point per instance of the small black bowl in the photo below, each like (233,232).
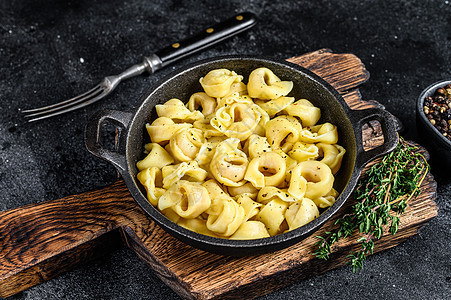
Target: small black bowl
(436,143)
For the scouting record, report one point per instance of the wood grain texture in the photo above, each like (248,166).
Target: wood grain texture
(40,241)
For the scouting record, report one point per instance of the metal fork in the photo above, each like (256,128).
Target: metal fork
(150,64)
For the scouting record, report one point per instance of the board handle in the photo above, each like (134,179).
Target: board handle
(41,241)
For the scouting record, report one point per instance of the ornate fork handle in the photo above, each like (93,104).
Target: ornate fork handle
(150,64)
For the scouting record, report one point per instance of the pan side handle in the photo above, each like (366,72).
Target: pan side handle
(41,241)
(93,134)
(389,131)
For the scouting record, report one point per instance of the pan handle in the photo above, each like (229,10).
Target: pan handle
(388,124)
(93,133)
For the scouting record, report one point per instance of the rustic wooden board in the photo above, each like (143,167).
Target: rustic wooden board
(40,241)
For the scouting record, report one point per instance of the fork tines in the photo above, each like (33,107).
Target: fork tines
(68,105)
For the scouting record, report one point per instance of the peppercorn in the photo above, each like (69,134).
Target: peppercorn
(437,109)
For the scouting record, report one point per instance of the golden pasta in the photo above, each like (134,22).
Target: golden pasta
(201,99)
(282,132)
(240,161)
(305,111)
(229,164)
(246,189)
(156,157)
(162,129)
(150,178)
(264,84)
(185,170)
(175,109)
(303,151)
(225,215)
(219,83)
(251,208)
(250,230)
(238,120)
(272,107)
(273,216)
(185,144)
(187,199)
(267,169)
(300,213)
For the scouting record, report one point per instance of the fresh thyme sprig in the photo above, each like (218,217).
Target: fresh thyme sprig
(382,195)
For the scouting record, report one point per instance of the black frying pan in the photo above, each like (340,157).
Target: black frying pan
(184,82)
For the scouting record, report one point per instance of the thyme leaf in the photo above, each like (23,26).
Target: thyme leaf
(382,195)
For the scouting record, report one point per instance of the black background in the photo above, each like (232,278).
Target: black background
(52,50)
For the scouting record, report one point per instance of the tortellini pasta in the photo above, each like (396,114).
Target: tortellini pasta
(267,169)
(218,83)
(300,213)
(283,132)
(156,157)
(175,109)
(272,107)
(151,178)
(273,216)
(250,230)
(324,133)
(187,199)
(305,111)
(264,84)
(238,120)
(225,215)
(185,144)
(162,129)
(201,99)
(185,170)
(240,161)
(229,164)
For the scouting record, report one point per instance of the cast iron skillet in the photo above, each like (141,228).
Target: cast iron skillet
(182,83)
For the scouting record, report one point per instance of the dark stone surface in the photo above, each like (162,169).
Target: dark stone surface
(51,50)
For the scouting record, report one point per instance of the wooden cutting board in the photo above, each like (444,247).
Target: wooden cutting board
(40,241)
